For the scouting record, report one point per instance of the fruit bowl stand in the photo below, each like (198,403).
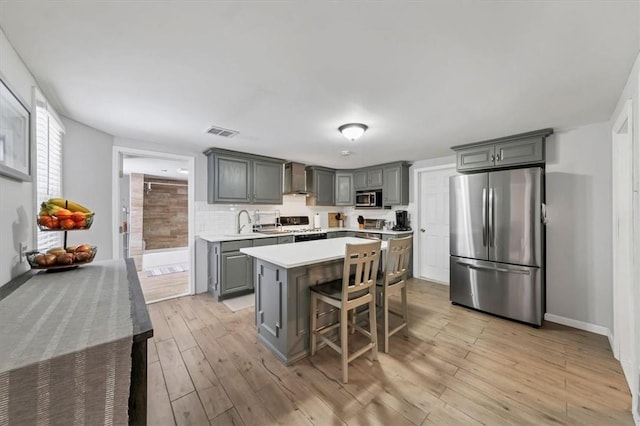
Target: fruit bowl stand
(62,267)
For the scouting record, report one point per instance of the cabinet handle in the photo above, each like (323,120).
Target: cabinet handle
(493,158)
(422,230)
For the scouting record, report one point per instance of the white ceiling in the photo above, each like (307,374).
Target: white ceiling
(423,75)
(158,167)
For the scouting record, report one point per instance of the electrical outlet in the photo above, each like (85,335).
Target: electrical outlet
(23,252)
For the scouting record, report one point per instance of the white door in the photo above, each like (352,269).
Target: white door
(433,222)
(623,308)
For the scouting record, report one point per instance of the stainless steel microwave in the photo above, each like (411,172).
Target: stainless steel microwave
(369,199)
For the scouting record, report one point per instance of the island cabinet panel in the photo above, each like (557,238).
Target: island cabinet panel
(270,306)
(282,312)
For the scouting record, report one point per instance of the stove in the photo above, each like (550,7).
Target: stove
(301,229)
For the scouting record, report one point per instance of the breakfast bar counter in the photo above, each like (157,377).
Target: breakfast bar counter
(284,274)
(73,346)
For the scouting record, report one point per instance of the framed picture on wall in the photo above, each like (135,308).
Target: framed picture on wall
(15,135)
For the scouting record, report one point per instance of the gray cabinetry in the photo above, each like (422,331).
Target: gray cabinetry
(236,269)
(522,149)
(231,179)
(285,240)
(267,182)
(367,179)
(238,178)
(395,190)
(321,182)
(345,194)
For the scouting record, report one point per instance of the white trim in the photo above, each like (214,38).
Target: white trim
(416,198)
(580,325)
(118,151)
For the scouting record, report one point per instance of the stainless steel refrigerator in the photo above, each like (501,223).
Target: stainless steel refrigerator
(497,243)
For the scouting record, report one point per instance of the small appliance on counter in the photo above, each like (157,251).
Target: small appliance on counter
(402,221)
(374,223)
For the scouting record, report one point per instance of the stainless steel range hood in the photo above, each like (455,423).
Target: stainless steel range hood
(295,180)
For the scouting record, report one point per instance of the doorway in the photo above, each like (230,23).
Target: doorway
(433,222)
(624,333)
(153,219)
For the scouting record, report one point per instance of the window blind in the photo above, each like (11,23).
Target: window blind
(49,167)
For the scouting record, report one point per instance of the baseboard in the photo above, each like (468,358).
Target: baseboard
(581,325)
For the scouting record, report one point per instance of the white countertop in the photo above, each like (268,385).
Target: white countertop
(216,238)
(294,255)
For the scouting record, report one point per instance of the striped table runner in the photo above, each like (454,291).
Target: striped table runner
(65,348)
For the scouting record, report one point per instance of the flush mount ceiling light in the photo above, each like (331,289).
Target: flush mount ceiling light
(353,131)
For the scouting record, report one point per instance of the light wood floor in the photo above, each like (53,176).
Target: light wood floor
(458,367)
(163,286)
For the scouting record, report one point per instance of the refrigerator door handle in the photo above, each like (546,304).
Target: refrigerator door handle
(543,213)
(491,224)
(486,268)
(484,216)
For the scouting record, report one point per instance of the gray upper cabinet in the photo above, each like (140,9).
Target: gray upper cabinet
(321,181)
(396,184)
(511,151)
(479,157)
(231,180)
(267,182)
(345,193)
(368,179)
(238,178)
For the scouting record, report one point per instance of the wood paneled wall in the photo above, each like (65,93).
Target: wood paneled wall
(165,218)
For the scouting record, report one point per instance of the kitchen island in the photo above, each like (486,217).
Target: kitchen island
(284,274)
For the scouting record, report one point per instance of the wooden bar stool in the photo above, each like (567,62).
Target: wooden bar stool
(393,280)
(347,294)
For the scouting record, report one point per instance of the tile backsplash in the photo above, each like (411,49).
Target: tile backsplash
(217,219)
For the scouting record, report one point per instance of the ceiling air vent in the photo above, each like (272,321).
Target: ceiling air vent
(219,131)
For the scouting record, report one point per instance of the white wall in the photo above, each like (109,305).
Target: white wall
(17,212)
(86,163)
(578,184)
(632,91)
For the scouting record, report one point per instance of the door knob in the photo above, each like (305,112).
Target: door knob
(422,230)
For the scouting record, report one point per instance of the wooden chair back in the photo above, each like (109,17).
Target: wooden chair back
(398,255)
(364,259)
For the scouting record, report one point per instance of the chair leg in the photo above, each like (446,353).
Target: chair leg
(344,344)
(354,317)
(405,307)
(374,330)
(385,312)
(313,323)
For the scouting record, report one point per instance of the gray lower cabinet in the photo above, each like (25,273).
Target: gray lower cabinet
(285,240)
(321,181)
(395,190)
(523,149)
(238,178)
(236,273)
(345,194)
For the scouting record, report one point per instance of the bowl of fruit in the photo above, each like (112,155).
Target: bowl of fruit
(58,214)
(59,258)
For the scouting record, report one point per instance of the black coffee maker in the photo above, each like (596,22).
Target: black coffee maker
(402,221)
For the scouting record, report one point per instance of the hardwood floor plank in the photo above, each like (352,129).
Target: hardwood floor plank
(214,400)
(188,411)
(245,401)
(228,418)
(176,376)
(188,313)
(179,330)
(159,410)
(216,356)
(199,368)
(161,330)
(281,406)
(449,416)
(152,352)
(253,372)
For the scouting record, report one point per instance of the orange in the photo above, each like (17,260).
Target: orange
(67,224)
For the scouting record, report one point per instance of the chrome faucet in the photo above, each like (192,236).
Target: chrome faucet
(238,227)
